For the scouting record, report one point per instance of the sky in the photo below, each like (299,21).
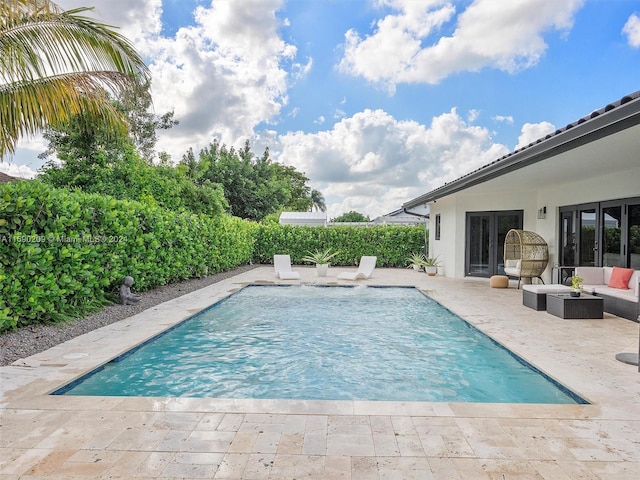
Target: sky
(376,101)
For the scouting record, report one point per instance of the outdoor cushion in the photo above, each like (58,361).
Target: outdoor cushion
(620,278)
(616,292)
(591,275)
(553,288)
(634,282)
(512,267)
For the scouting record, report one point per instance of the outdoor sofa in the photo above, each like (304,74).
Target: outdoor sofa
(619,290)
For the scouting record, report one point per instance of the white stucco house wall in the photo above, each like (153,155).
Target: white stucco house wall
(578,188)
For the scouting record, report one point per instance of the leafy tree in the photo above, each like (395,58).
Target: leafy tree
(143,123)
(317,201)
(300,198)
(221,165)
(83,149)
(80,136)
(123,174)
(55,64)
(254,186)
(351,216)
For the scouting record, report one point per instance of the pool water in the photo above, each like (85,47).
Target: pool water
(324,343)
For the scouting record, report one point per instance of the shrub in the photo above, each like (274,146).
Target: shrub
(391,244)
(65,253)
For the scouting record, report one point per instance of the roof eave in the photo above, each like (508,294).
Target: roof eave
(574,135)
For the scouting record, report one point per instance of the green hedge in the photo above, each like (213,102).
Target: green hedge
(391,244)
(65,253)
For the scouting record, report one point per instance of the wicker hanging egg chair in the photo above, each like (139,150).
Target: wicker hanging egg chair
(526,255)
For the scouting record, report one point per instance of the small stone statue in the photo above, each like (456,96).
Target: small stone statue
(126,297)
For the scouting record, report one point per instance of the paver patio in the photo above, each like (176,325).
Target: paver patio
(59,437)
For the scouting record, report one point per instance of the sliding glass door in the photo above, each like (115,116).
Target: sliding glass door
(633,236)
(612,248)
(588,224)
(621,233)
(601,234)
(478,244)
(485,236)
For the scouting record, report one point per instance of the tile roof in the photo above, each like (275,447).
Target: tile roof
(4,178)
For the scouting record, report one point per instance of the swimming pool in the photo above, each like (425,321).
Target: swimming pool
(324,343)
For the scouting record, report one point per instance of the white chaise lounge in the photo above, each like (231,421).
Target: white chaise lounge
(365,269)
(282,265)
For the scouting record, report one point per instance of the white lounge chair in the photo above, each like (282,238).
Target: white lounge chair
(282,265)
(365,269)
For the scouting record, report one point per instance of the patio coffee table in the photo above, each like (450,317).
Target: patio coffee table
(566,306)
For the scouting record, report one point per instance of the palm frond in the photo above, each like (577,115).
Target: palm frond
(28,107)
(55,63)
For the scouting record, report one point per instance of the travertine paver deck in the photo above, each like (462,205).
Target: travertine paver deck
(45,437)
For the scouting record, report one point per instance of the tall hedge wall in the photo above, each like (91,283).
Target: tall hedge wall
(391,244)
(63,253)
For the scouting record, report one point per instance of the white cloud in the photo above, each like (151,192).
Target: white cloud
(137,20)
(15,170)
(397,39)
(300,70)
(533,131)
(25,162)
(224,75)
(221,76)
(632,30)
(320,120)
(473,115)
(504,118)
(372,163)
(503,35)
(338,113)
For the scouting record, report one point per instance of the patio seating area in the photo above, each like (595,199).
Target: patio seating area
(622,300)
(129,438)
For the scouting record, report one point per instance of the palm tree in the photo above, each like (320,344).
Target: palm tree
(56,64)
(317,201)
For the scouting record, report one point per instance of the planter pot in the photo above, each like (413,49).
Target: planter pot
(431,271)
(416,267)
(322,269)
(574,293)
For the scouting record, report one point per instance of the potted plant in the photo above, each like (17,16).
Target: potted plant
(431,265)
(416,261)
(321,259)
(576,285)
